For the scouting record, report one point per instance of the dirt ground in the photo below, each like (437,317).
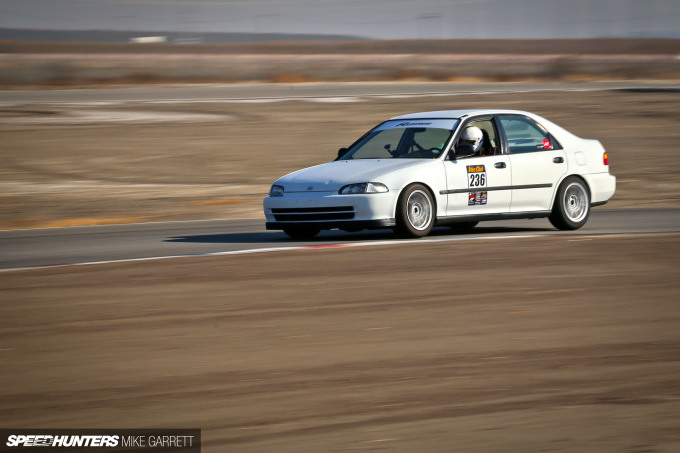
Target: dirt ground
(90,164)
(416,347)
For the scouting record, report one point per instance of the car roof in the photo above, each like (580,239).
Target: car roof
(459,114)
(560,133)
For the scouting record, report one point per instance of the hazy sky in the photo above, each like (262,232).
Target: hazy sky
(385,19)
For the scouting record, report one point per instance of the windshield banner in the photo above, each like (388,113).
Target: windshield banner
(448,124)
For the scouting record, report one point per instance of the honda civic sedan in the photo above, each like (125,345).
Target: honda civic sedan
(455,168)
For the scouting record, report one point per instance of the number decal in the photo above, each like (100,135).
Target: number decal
(476,176)
(476,180)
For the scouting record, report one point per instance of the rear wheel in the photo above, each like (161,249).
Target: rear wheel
(572,205)
(301,233)
(415,212)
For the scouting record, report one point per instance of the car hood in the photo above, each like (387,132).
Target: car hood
(333,175)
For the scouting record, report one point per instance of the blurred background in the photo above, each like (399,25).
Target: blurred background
(51,43)
(359,19)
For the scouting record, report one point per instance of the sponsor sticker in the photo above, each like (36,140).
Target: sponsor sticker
(477,199)
(546,144)
(412,124)
(448,124)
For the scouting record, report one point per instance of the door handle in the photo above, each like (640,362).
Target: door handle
(499,165)
(558,160)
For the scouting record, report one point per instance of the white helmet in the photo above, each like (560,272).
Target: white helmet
(472,136)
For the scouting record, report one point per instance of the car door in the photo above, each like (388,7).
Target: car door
(479,185)
(537,163)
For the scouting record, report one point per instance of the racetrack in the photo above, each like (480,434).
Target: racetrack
(514,338)
(561,343)
(94,244)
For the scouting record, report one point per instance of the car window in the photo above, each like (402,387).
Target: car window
(401,140)
(489,143)
(431,138)
(524,135)
(377,144)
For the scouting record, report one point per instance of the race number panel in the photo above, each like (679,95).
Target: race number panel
(477,180)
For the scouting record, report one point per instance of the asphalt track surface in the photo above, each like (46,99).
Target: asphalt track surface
(92,244)
(333,91)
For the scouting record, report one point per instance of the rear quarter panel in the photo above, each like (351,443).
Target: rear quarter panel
(586,159)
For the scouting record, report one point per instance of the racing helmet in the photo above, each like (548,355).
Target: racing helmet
(472,136)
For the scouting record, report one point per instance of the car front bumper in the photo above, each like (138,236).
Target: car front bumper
(329,210)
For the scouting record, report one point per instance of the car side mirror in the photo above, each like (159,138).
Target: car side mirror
(462,150)
(341,152)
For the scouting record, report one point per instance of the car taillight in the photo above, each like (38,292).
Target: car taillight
(605,159)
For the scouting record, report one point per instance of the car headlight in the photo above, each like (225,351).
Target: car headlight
(364,187)
(276,191)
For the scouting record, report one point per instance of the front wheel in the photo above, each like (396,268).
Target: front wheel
(415,212)
(572,205)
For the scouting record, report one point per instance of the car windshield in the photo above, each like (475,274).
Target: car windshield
(404,139)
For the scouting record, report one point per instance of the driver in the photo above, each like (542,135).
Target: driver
(472,136)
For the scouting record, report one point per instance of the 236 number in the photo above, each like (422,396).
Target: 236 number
(478,180)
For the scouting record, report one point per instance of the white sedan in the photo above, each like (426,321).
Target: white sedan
(455,168)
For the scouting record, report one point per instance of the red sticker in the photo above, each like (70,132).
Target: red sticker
(546,144)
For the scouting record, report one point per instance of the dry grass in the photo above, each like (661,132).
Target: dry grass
(80,64)
(443,47)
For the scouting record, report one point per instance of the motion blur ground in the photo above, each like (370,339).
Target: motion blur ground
(432,347)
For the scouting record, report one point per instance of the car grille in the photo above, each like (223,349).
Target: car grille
(311,214)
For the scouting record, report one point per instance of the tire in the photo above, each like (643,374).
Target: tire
(415,212)
(572,205)
(301,233)
(463,227)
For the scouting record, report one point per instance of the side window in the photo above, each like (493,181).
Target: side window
(489,141)
(526,136)
(488,145)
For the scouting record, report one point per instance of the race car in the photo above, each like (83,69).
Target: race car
(455,168)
